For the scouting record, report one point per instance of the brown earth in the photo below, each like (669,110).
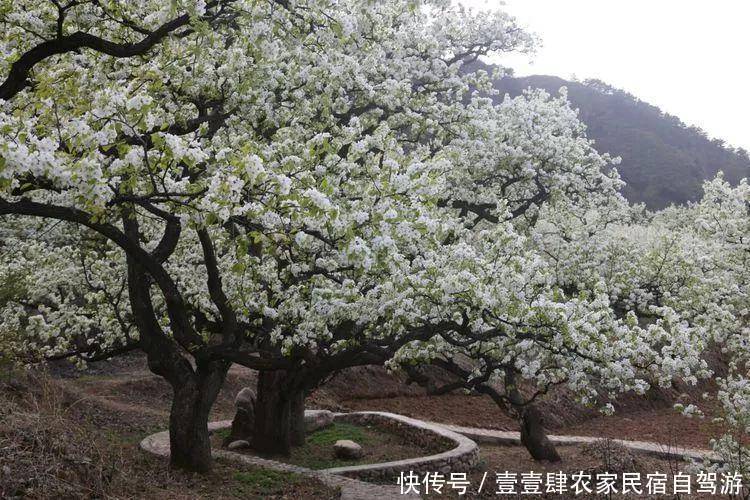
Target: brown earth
(588,460)
(127,382)
(77,437)
(660,423)
(94,420)
(458,409)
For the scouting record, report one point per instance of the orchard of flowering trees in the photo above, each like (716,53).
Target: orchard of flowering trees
(304,186)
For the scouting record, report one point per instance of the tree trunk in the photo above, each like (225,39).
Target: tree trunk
(189,445)
(273,411)
(297,420)
(194,389)
(533,435)
(194,393)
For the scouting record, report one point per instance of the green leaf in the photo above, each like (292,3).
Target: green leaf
(158,140)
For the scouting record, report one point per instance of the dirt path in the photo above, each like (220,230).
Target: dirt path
(128,386)
(657,423)
(351,489)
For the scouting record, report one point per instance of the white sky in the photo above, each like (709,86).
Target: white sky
(688,57)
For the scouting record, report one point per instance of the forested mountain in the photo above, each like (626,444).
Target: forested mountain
(663,160)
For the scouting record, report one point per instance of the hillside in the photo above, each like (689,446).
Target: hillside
(663,160)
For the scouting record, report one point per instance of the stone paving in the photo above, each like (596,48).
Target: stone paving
(465,438)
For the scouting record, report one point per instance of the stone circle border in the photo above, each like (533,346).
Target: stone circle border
(462,457)
(351,489)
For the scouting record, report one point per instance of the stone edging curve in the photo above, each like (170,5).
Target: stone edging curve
(463,457)
(351,489)
(491,436)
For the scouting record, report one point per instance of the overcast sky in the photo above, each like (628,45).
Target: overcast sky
(688,57)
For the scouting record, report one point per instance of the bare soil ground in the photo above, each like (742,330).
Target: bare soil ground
(75,434)
(661,423)
(591,461)
(458,409)
(651,417)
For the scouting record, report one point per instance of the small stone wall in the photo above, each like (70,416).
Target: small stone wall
(351,489)
(495,437)
(462,455)
(425,438)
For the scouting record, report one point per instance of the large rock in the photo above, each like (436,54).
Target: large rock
(347,449)
(238,445)
(317,419)
(244,420)
(245,398)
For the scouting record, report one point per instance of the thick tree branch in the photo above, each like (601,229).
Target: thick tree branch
(176,307)
(93,354)
(168,241)
(215,289)
(17,79)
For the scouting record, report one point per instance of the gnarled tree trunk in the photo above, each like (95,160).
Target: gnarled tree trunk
(189,445)
(194,395)
(273,410)
(533,435)
(279,414)
(194,388)
(297,418)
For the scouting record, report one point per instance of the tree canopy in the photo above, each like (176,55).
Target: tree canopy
(300,187)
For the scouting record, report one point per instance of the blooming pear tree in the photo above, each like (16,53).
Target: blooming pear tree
(51,283)
(692,271)
(547,288)
(230,182)
(682,274)
(304,186)
(722,220)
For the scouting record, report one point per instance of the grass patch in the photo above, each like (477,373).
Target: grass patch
(223,433)
(378,446)
(338,431)
(317,453)
(265,482)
